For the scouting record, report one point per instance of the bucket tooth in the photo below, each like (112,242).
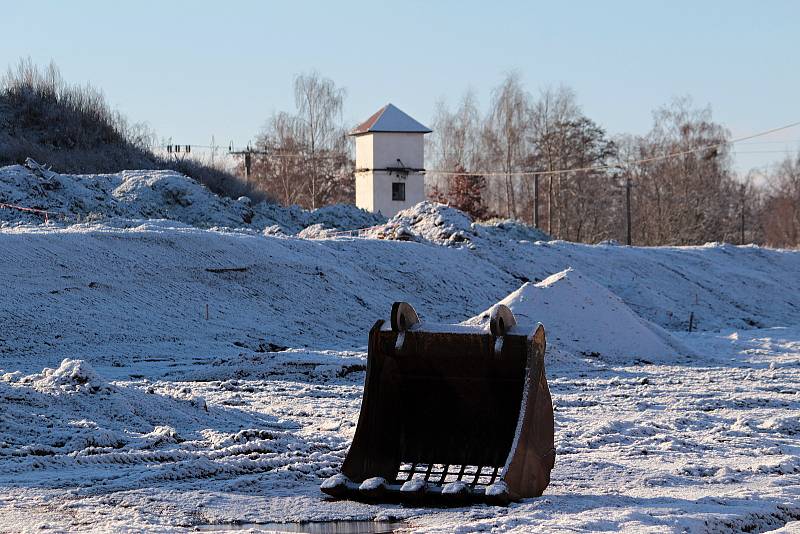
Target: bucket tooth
(337,486)
(413,490)
(451,414)
(373,488)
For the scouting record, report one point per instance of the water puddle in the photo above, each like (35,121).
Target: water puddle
(315,527)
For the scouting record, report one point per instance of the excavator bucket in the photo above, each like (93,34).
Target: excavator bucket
(451,414)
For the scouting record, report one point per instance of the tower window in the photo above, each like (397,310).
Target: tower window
(398,191)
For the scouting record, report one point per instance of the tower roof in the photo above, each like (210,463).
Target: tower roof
(390,119)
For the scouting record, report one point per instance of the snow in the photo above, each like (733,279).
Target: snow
(459,486)
(497,489)
(415,485)
(334,481)
(155,195)
(70,376)
(584,318)
(124,407)
(439,224)
(372,484)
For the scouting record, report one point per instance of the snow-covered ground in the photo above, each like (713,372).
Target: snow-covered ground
(157,375)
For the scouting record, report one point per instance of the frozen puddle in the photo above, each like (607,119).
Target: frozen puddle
(317,527)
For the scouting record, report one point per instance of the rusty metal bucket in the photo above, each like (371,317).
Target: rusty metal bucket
(451,414)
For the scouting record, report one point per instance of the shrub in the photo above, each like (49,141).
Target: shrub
(73,129)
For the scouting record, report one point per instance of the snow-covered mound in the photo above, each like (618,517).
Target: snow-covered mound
(427,221)
(72,409)
(584,318)
(442,225)
(147,288)
(509,229)
(72,376)
(153,194)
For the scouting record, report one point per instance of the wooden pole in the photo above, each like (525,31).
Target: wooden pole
(550,205)
(628,240)
(247,162)
(536,201)
(741,225)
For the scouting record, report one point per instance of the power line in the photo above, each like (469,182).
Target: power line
(785,142)
(221,147)
(763,151)
(268,151)
(535,173)
(617,166)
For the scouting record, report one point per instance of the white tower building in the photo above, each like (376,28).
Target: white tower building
(390,154)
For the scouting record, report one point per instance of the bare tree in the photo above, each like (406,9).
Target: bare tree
(456,139)
(689,197)
(686,191)
(505,134)
(550,113)
(780,216)
(305,158)
(319,110)
(278,167)
(585,203)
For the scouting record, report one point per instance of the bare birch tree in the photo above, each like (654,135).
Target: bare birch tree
(456,139)
(319,109)
(306,158)
(552,110)
(505,134)
(279,168)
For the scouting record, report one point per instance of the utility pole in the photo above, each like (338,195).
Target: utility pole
(741,207)
(550,201)
(213,150)
(270,152)
(248,158)
(249,152)
(628,185)
(536,200)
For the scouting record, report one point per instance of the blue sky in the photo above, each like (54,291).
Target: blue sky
(197,69)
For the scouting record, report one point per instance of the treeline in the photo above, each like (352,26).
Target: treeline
(779,206)
(689,198)
(683,191)
(73,129)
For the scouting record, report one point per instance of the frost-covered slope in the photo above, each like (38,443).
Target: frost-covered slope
(720,285)
(73,291)
(159,375)
(723,286)
(145,290)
